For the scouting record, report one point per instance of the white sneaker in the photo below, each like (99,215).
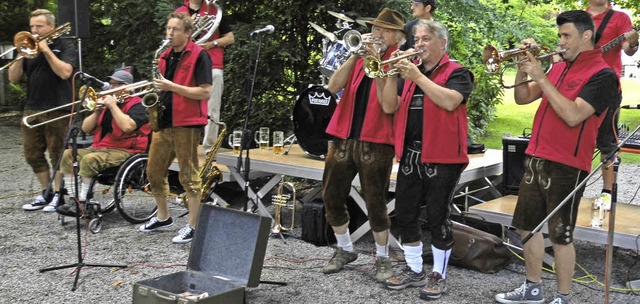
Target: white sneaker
(56,200)
(38,204)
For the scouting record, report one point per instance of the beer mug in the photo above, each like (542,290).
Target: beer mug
(262,138)
(235,140)
(278,142)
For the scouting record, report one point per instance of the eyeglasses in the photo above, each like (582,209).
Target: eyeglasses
(116,82)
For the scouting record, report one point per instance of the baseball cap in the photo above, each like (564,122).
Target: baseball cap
(122,76)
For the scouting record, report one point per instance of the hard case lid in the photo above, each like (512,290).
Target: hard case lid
(229,244)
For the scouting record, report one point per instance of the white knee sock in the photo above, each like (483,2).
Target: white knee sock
(382,250)
(440,260)
(344,241)
(413,257)
(70,184)
(84,189)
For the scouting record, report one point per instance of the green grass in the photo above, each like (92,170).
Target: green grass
(513,119)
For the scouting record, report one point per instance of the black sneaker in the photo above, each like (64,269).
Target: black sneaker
(155,224)
(405,279)
(39,203)
(185,235)
(56,200)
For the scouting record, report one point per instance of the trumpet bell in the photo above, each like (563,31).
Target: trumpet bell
(352,39)
(491,59)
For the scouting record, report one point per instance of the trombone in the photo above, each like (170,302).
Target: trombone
(27,43)
(493,60)
(90,102)
(374,67)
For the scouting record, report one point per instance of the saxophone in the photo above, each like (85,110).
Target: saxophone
(150,101)
(209,172)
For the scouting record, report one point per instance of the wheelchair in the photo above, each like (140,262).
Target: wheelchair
(125,188)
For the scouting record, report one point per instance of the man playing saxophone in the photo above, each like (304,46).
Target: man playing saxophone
(48,86)
(183,89)
(221,37)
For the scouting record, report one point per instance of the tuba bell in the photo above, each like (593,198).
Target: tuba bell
(205,25)
(284,200)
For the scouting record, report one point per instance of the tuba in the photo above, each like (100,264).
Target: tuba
(205,25)
(150,101)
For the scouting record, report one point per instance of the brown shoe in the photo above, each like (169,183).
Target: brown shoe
(383,269)
(339,259)
(405,279)
(435,287)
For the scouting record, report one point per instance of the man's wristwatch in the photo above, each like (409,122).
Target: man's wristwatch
(215,44)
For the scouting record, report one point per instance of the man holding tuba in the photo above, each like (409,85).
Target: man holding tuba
(48,86)
(120,129)
(575,96)
(362,144)
(184,87)
(221,37)
(430,129)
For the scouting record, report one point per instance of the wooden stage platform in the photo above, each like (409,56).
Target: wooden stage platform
(626,230)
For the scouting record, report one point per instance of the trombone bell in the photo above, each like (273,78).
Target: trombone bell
(284,200)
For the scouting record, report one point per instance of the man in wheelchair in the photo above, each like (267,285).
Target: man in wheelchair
(120,128)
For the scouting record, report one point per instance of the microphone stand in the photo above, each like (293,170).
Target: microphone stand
(72,133)
(612,221)
(246,134)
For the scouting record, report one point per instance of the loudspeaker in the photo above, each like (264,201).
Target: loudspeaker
(76,12)
(513,163)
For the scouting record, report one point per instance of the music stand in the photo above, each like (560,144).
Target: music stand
(72,134)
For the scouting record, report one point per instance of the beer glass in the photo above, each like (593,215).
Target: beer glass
(278,142)
(235,139)
(262,138)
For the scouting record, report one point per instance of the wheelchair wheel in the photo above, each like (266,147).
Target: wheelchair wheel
(102,195)
(132,191)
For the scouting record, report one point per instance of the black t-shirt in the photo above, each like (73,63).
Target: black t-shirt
(460,80)
(360,107)
(594,93)
(202,76)
(45,89)
(137,113)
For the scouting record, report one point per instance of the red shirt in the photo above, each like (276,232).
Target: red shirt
(619,24)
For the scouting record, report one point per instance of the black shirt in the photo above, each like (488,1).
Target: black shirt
(460,80)
(360,107)
(137,113)
(45,89)
(593,93)
(202,76)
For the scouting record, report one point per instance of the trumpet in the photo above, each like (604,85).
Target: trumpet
(282,200)
(493,60)
(355,42)
(27,43)
(374,67)
(90,102)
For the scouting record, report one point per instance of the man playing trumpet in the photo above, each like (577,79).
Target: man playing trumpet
(429,103)
(575,96)
(120,129)
(48,86)
(362,144)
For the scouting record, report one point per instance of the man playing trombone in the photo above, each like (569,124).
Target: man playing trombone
(120,129)
(362,144)
(48,86)
(575,96)
(430,127)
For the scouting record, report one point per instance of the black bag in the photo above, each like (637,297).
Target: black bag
(315,228)
(477,250)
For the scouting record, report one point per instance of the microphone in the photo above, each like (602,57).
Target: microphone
(267,29)
(103,85)
(637,106)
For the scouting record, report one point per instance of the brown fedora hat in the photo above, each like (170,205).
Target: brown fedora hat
(389,19)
